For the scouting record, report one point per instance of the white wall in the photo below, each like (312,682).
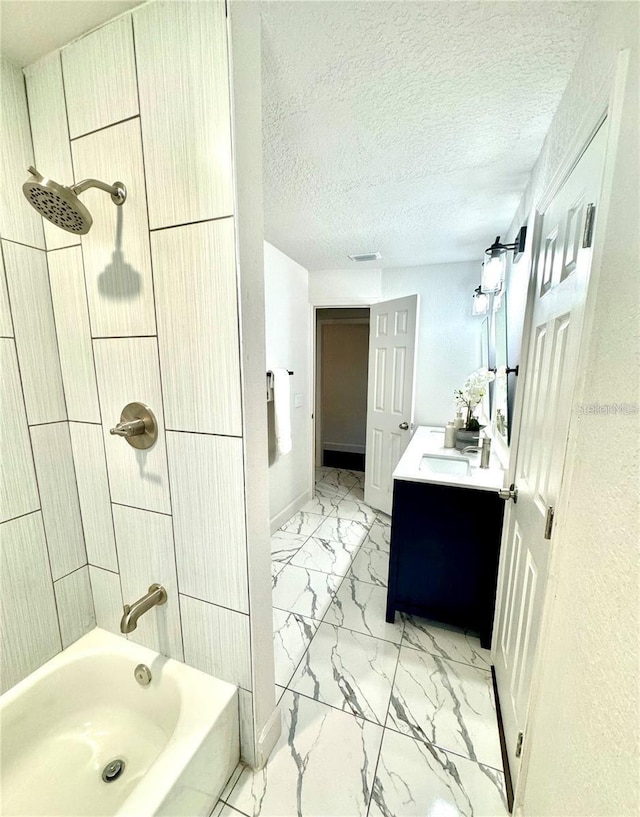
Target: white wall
(191,345)
(46,594)
(448,335)
(582,743)
(287,332)
(344,287)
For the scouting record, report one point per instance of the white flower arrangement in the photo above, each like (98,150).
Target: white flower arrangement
(471,394)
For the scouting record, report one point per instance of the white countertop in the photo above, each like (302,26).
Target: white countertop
(430,440)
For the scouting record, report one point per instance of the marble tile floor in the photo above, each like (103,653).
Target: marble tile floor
(378,719)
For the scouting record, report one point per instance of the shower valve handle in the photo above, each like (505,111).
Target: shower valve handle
(130,429)
(137,425)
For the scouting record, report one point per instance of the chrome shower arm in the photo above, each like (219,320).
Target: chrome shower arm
(117,190)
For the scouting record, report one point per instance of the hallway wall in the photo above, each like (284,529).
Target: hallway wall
(287,331)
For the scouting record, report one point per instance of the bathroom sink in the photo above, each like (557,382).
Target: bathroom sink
(438,464)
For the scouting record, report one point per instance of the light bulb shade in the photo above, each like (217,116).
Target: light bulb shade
(480,304)
(493,271)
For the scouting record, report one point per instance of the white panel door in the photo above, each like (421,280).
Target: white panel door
(562,276)
(392,352)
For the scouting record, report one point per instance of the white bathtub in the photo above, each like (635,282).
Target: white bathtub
(65,722)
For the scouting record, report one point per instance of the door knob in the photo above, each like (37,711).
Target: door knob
(404,426)
(137,425)
(509,493)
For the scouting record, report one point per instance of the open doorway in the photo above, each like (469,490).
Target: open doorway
(342,362)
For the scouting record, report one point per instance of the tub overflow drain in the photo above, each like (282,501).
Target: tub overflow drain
(113,770)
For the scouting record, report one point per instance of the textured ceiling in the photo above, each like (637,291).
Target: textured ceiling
(406,127)
(32,28)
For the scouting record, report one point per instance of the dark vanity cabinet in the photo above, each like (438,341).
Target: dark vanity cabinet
(445,544)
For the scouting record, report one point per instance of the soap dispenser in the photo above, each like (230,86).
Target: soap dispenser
(458,422)
(450,435)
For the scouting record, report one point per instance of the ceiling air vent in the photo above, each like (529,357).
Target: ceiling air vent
(366,256)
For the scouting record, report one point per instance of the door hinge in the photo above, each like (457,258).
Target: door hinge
(519,744)
(548,524)
(587,237)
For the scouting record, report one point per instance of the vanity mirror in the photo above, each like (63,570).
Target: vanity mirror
(500,401)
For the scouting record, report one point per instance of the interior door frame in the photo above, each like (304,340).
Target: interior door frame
(314,306)
(608,103)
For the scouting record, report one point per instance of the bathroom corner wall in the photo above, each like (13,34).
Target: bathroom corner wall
(46,595)
(147,309)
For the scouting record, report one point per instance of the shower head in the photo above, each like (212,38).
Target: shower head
(61,205)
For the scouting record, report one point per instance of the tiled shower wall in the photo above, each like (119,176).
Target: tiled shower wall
(146,309)
(46,594)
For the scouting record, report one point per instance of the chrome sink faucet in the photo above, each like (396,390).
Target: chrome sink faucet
(157,595)
(484,451)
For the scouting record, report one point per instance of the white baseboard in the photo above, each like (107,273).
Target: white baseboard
(286,513)
(351,449)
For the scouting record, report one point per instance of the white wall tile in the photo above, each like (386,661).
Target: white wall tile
(196,301)
(216,641)
(30,634)
(93,492)
(116,249)
(107,598)
(18,220)
(50,133)
(208,514)
(185,117)
(146,555)
(66,276)
(128,371)
(100,78)
(6,325)
(59,497)
(28,282)
(18,487)
(75,605)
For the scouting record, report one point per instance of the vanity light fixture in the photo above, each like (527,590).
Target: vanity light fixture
(480,302)
(495,262)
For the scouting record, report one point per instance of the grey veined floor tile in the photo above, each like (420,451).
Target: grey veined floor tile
(379,536)
(371,566)
(414,779)
(322,766)
(447,704)
(303,523)
(291,636)
(341,477)
(349,508)
(356,493)
(349,671)
(325,555)
(453,645)
(284,545)
(303,591)
(322,471)
(361,606)
(323,505)
(330,490)
(342,530)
